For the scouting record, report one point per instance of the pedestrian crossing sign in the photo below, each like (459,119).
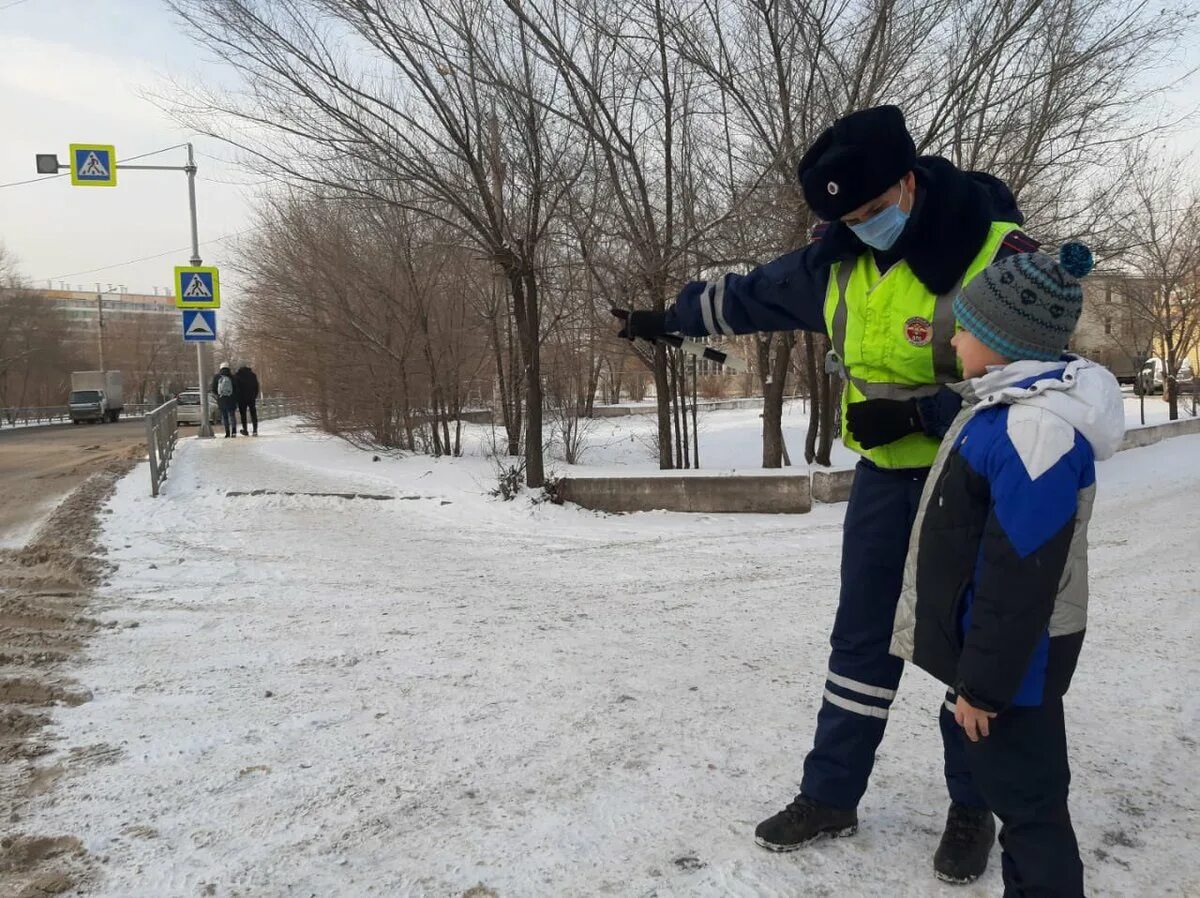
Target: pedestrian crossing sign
(197,287)
(93,165)
(199,325)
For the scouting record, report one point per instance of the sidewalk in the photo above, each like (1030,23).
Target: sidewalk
(341,697)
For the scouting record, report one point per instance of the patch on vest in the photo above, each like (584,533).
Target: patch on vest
(918,331)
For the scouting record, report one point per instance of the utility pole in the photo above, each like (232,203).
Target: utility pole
(190,168)
(100,318)
(100,323)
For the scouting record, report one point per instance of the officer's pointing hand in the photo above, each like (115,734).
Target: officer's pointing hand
(877,422)
(640,323)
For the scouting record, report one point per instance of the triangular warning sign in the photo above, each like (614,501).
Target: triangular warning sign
(199,327)
(197,287)
(92,167)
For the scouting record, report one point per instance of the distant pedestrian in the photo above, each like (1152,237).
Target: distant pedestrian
(246,387)
(225,388)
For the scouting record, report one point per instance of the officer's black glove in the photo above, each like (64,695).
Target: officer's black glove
(876,422)
(641,323)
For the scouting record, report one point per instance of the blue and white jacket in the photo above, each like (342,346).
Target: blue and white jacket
(995,592)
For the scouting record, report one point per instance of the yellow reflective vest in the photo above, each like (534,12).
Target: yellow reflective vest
(891,340)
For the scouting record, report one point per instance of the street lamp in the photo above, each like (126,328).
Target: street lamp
(48,164)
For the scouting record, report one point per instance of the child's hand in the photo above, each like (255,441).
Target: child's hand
(973,721)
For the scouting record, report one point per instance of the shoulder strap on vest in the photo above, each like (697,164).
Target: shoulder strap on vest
(1019,242)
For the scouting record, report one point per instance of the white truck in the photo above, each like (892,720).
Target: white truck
(95,396)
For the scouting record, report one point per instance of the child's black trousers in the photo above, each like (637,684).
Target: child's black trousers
(1021,770)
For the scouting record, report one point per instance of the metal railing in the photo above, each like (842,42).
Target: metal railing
(55,414)
(161,436)
(276,407)
(22,417)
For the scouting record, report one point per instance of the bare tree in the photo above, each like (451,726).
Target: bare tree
(445,98)
(565,157)
(1042,93)
(374,313)
(36,356)
(1161,230)
(628,91)
(1047,95)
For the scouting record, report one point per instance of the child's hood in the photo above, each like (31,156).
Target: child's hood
(1081,392)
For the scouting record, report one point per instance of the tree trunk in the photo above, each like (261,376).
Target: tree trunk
(829,386)
(695,426)
(674,371)
(525,305)
(662,395)
(512,427)
(1170,388)
(681,367)
(814,405)
(776,365)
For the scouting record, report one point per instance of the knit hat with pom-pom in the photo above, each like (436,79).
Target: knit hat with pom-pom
(1026,306)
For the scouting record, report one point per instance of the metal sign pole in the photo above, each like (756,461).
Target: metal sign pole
(205,424)
(98,168)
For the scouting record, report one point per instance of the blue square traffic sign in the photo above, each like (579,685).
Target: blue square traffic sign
(93,165)
(199,325)
(197,287)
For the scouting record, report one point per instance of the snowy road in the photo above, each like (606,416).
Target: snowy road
(345,697)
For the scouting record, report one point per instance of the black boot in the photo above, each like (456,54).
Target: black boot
(803,821)
(963,853)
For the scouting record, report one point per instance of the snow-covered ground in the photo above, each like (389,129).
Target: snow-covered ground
(1157,410)
(353,697)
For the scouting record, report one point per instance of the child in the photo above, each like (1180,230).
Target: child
(995,587)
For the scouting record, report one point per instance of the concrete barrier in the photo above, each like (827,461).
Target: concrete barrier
(698,491)
(1155,433)
(832,485)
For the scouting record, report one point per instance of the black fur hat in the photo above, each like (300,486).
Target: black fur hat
(855,160)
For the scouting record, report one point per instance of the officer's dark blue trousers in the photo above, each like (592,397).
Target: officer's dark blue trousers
(862,677)
(1022,771)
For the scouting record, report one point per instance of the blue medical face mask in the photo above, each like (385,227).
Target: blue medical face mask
(882,230)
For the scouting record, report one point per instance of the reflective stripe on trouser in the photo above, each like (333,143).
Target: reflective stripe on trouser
(863,677)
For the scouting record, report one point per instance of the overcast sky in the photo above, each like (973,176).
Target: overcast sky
(73,71)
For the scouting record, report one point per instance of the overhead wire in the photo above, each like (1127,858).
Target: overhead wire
(59,277)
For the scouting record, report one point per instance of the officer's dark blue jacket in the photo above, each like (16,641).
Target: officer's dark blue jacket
(949,222)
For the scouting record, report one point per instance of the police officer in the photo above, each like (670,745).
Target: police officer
(902,235)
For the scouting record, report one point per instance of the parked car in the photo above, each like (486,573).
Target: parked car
(189,409)
(1150,380)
